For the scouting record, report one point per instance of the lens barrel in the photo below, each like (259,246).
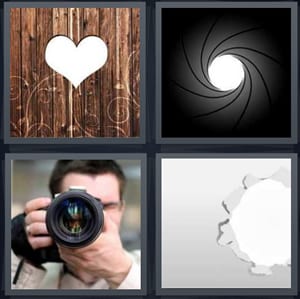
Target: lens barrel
(74,219)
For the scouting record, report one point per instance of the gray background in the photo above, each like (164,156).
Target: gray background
(192,193)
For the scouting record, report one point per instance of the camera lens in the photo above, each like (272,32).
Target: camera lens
(75,216)
(74,219)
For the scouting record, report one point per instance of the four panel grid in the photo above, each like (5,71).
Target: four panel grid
(197,101)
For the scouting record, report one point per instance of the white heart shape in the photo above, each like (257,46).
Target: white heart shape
(76,63)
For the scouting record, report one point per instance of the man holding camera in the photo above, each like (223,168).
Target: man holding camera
(102,264)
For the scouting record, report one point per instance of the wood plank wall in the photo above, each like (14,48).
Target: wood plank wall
(45,104)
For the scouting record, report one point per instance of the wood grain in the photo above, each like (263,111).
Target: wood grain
(135,72)
(44,104)
(44,75)
(16,81)
(91,84)
(60,85)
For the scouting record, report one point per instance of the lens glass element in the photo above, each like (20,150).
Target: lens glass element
(75,216)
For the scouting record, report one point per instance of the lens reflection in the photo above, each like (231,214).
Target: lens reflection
(75,215)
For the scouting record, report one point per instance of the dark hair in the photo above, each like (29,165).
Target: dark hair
(90,167)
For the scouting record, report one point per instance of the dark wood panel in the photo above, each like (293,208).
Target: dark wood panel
(60,85)
(120,105)
(28,52)
(76,101)
(135,72)
(44,86)
(16,80)
(107,26)
(91,84)
(45,104)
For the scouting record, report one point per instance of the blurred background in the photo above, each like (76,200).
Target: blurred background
(30,180)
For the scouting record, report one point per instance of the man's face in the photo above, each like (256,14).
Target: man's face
(103,186)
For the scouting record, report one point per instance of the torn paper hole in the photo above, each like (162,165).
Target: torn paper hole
(258,229)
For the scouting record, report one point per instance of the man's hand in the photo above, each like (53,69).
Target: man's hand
(104,258)
(35,223)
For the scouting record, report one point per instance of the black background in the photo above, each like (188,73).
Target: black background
(150,148)
(178,25)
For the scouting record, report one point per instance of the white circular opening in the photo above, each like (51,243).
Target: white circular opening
(226,72)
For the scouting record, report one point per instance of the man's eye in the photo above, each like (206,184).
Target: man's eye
(110,206)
